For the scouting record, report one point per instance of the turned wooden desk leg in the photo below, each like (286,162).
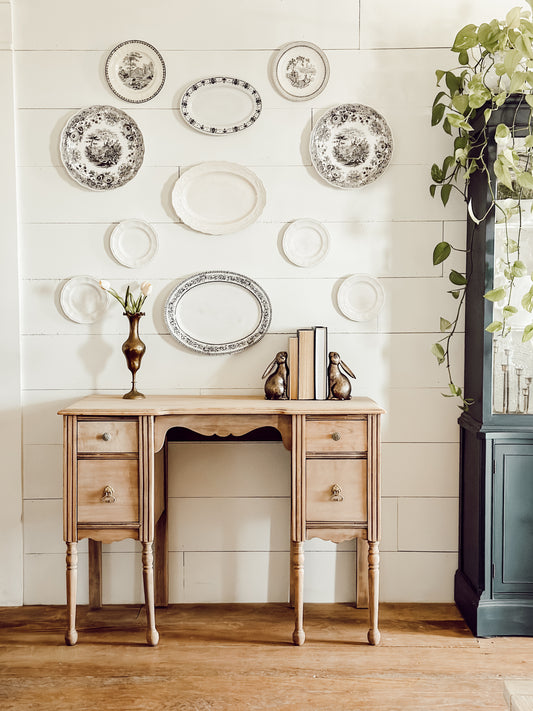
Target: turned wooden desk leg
(161,561)
(95,574)
(71,636)
(152,635)
(374,635)
(297,565)
(361,590)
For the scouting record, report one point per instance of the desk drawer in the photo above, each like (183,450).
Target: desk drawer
(116,480)
(97,436)
(336,490)
(336,435)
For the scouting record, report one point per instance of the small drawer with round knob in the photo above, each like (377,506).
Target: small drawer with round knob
(108,491)
(336,435)
(336,490)
(98,436)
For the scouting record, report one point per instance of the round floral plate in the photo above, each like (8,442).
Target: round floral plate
(351,145)
(101,147)
(360,297)
(135,71)
(220,105)
(300,71)
(83,300)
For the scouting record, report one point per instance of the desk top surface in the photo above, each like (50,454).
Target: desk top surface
(107,405)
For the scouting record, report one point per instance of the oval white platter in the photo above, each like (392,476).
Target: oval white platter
(360,297)
(305,242)
(350,145)
(101,147)
(218,198)
(135,71)
(218,312)
(133,243)
(300,71)
(220,105)
(83,300)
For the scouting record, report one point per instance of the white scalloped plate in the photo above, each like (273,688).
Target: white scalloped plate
(305,242)
(83,300)
(360,297)
(133,243)
(218,198)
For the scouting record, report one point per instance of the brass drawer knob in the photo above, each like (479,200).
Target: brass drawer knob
(336,436)
(336,493)
(108,496)
(106,436)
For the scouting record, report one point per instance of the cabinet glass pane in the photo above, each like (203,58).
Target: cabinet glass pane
(512,359)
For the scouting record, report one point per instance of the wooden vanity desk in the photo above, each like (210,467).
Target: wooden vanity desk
(115,481)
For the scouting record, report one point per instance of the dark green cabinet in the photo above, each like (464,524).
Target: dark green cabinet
(494,579)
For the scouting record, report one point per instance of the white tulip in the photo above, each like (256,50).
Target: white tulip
(146,288)
(105,285)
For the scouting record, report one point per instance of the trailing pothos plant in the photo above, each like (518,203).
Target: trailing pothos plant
(495,61)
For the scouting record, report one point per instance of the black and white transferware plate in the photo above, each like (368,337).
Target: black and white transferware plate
(351,145)
(101,147)
(135,71)
(300,71)
(220,105)
(218,312)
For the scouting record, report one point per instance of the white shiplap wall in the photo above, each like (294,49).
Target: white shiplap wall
(229,531)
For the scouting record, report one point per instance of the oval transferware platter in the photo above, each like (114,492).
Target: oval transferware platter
(101,147)
(360,297)
(135,71)
(351,145)
(218,198)
(218,312)
(300,71)
(220,105)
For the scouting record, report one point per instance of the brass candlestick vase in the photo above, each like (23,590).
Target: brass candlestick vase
(133,349)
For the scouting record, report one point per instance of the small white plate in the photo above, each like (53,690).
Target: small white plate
(300,71)
(305,242)
(133,243)
(83,300)
(360,297)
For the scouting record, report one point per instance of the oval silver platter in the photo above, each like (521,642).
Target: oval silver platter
(218,312)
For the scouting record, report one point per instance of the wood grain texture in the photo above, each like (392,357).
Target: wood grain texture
(239,657)
(350,504)
(120,474)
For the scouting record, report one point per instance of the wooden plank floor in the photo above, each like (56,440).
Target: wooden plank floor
(237,657)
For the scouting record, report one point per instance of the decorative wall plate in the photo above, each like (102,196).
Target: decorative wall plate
(360,297)
(218,198)
(101,147)
(351,145)
(305,242)
(133,243)
(300,71)
(83,300)
(218,312)
(135,71)
(220,105)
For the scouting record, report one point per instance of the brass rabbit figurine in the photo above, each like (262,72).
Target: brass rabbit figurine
(339,386)
(276,383)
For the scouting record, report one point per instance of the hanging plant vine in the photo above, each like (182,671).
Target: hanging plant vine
(495,61)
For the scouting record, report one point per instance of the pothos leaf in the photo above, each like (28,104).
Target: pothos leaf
(441,252)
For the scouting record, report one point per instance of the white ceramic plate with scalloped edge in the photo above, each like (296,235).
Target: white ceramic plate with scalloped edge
(360,297)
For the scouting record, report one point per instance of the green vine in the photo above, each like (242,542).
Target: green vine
(495,61)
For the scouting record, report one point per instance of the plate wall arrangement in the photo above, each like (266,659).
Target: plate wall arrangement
(135,71)
(101,147)
(351,145)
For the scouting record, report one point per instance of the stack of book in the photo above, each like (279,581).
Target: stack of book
(308,364)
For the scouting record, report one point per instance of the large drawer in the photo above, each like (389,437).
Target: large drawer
(336,490)
(108,491)
(97,436)
(336,435)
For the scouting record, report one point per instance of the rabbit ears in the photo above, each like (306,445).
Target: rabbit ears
(269,367)
(348,371)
